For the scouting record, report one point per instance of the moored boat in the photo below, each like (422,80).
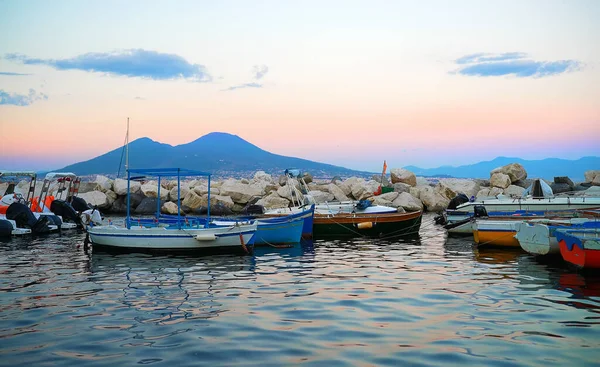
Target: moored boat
(379,225)
(580,247)
(489,232)
(174,235)
(539,238)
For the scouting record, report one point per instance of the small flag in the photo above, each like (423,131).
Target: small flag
(384,167)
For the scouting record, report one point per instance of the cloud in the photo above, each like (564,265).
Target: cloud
(130,63)
(260,71)
(11,73)
(246,85)
(512,63)
(21,99)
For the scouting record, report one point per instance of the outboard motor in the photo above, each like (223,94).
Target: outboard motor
(65,210)
(5,228)
(79,204)
(23,216)
(457,200)
(479,211)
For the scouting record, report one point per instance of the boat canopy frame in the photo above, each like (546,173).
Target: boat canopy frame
(162,173)
(16,174)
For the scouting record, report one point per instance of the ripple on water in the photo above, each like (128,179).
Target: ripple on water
(425,302)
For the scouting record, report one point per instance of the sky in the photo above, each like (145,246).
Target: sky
(350,83)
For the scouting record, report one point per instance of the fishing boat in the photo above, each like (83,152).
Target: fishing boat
(169,236)
(501,233)
(539,237)
(277,230)
(580,247)
(378,225)
(537,201)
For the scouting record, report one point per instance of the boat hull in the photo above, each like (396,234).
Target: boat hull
(160,239)
(366,225)
(580,247)
(536,239)
(279,233)
(495,233)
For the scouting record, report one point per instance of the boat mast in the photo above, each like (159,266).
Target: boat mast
(127,147)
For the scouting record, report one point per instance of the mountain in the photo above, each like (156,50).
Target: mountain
(544,168)
(219,153)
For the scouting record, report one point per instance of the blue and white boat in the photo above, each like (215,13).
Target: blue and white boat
(171,236)
(282,230)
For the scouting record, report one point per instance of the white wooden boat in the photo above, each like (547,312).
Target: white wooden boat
(235,238)
(174,235)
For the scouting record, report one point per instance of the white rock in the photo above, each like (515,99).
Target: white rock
(173,193)
(450,187)
(488,192)
(433,200)
(104,183)
(408,202)
(120,186)
(403,175)
(273,201)
(320,196)
(515,172)
(500,180)
(96,199)
(192,200)
(217,200)
(514,191)
(169,207)
(337,192)
(389,196)
(240,192)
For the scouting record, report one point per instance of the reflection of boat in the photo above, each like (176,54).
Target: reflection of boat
(538,238)
(580,246)
(164,236)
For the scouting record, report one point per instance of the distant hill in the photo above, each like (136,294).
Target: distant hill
(544,168)
(218,153)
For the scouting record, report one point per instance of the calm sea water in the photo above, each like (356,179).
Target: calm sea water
(427,302)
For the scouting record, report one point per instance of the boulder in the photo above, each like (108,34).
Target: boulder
(104,183)
(150,190)
(564,180)
(450,187)
(593,177)
(363,190)
(147,206)
(403,175)
(273,201)
(488,192)
(389,196)
(282,180)
(96,199)
(217,200)
(183,192)
(500,180)
(524,183)
(320,196)
(378,200)
(401,187)
(515,172)
(558,188)
(120,186)
(337,192)
(514,191)
(433,201)
(307,177)
(192,200)
(87,186)
(239,192)
(407,202)
(169,208)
